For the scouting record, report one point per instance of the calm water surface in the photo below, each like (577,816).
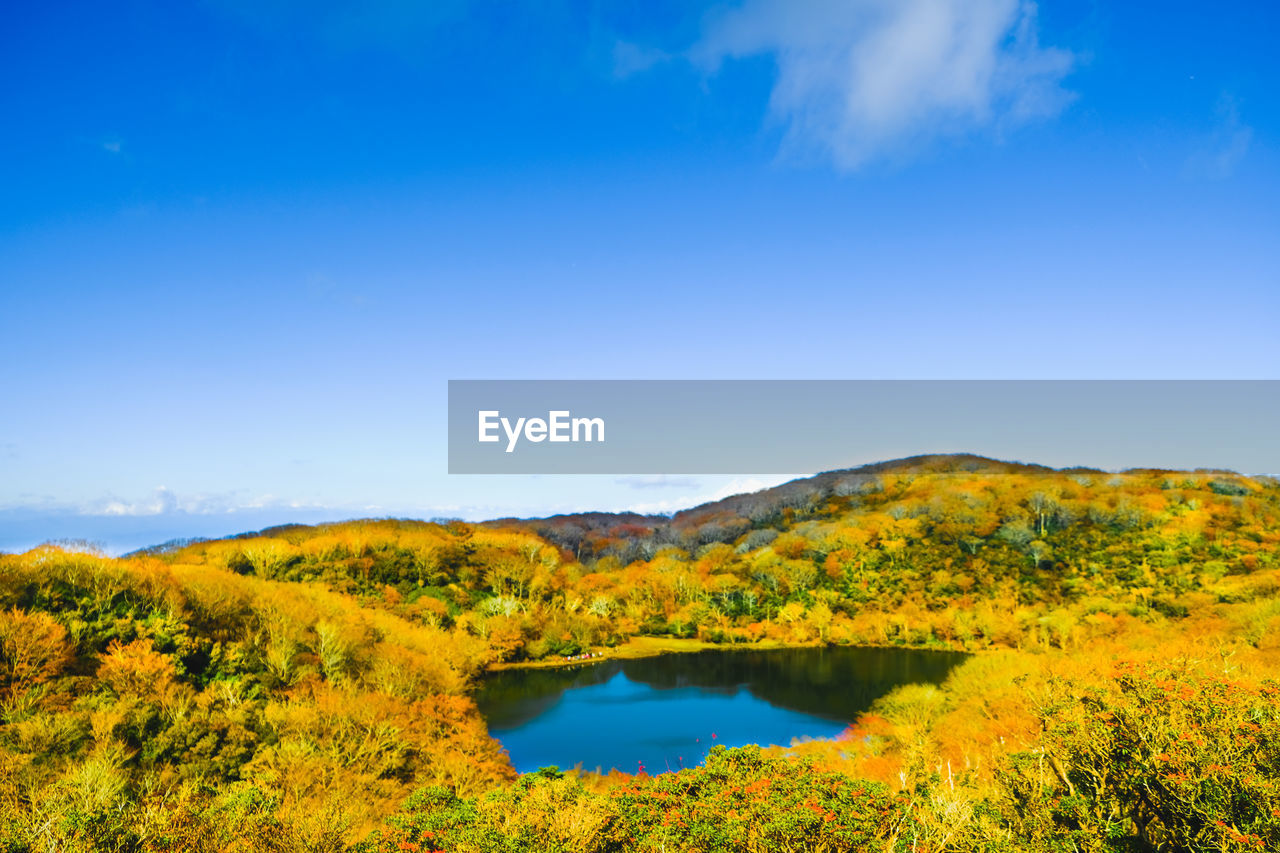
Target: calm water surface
(666,712)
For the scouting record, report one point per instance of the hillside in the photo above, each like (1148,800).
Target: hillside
(289,689)
(725,519)
(761,505)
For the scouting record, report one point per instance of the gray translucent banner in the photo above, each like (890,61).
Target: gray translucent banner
(805,426)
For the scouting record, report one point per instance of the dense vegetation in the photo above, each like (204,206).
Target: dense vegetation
(289,690)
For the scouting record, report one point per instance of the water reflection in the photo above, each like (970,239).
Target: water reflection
(667,711)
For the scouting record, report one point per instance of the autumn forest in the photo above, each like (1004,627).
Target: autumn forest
(308,688)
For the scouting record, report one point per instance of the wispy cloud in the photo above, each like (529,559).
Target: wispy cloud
(163,501)
(739,486)
(658,481)
(1224,148)
(866,80)
(630,58)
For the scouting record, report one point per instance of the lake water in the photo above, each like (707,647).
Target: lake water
(665,712)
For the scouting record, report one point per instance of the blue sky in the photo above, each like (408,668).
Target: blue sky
(244,245)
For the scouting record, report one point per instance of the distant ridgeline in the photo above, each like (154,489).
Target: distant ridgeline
(288,689)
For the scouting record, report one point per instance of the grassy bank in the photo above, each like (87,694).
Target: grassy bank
(647,647)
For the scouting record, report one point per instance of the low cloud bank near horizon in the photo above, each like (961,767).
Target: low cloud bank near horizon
(119,525)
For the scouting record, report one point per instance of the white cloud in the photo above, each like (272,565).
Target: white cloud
(163,501)
(658,481)
(864,80)
(739,486)
(1226,146)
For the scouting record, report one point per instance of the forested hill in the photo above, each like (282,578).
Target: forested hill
(945,545)
(277,689)
(767,503)
(726,519)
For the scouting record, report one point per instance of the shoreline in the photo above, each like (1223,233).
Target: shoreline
(633,649)
(641,646)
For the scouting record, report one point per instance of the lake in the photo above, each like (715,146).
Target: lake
(663,713)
